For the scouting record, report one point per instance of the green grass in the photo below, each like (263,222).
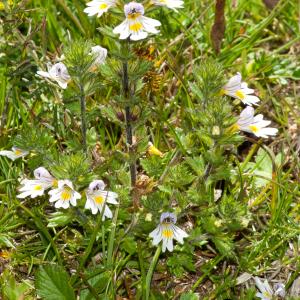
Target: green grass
(253,228)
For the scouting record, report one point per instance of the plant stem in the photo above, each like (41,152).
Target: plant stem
(151,270)
(83,118)
(128,124)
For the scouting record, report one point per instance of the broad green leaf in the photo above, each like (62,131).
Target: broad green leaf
(52,283)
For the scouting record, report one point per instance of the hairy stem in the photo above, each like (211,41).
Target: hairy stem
(83,118)
(128,124)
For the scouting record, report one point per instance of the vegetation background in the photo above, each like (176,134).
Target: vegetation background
(252,231)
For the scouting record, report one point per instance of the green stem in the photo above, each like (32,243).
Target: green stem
(83,118)
(110,250)
(151,270)
(41,227)
(91,243)
(128,124)
(212,265)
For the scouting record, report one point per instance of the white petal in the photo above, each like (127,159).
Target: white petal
(156,234)
(65,204)
(59,203)
(62,84)
(122,27)
(233,84)
(24,195)
(107,213)
(170,244)
(179,234)
(43,74)
(76,195)
(250,100)
(149,24)
(87,203)
(73,201)
(164,244)
(136,36)
(11,155)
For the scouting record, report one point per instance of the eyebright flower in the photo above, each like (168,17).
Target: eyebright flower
(64,194)
(152,150)
(100,55)
(14,154)
(98,7)
(256,125)
(97,197)
(36,187)
(266,292)
(167,231)
(59,73)
(136,26)
(173,4)
(239,90)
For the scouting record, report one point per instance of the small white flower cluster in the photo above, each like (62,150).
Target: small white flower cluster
(247,122)
(59,73)
(63,193)
(135,26)
(14,154)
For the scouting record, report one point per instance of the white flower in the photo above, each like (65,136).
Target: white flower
(266,292)
(255,124)
(97,197)
(98,7)
(136,26)
(173,4)
(58,73)
(239,90)
(14,154)
(100,54)
(167,231)
(36,187)
(64,194)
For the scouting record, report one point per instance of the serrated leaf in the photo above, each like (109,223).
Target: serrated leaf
(52,283)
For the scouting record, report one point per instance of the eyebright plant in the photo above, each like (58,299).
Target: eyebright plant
(106,175)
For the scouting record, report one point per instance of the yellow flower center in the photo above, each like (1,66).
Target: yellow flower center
(240,94)
(235,127)
(135,27)
(38,187)
(222,92)
(99,199)
(55,183)
(167,233)
(267,295)
(133,16)
(66,194)
(254,128)
(18,152)
(103,6)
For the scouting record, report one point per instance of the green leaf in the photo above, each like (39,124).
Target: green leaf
(129,245)
(189,296)
(99,283)
(52,283)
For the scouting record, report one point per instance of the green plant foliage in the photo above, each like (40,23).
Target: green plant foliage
(236,194)
(52,282)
